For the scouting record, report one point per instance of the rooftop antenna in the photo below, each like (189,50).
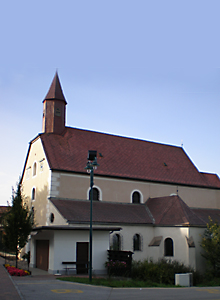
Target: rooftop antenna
(182,143)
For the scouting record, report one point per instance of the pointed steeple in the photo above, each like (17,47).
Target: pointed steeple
(54,111)
(55,90)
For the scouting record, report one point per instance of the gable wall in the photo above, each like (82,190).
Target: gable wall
(41,182)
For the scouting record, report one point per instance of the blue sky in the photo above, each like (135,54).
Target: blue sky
(143,69)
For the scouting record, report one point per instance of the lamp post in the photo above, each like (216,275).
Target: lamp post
(91,165)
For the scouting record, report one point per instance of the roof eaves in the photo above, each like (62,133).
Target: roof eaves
(66,227)
(109,223)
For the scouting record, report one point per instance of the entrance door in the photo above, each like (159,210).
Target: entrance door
(82,257)
(42,254)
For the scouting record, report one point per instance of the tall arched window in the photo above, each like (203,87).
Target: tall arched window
(95,194)
(168,247)
(35,169)
(32,214)
(116,242)
(136,197)
(136,242)
(33,194)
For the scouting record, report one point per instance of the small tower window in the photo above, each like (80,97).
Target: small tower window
(168,247)
(57,112)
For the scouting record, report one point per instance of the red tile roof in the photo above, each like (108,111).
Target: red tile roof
(78,211)
(161,211)
(205,213)
(123,157)
(172,210)
(211,179)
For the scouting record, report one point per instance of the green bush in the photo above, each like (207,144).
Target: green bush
(163,271)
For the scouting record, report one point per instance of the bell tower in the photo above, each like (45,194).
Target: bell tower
(54,108)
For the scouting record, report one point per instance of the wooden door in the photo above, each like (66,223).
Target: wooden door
(42,254)
(82,257)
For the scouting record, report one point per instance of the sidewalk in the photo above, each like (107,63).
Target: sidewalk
(8,290)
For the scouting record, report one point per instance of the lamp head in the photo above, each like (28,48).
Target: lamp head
(92,154)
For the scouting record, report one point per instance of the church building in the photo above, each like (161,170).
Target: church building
(148,198)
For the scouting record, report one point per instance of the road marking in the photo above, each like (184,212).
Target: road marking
(211,291)
(66,291)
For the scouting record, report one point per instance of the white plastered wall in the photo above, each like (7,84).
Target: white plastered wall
(65,248)
(182,252)
(46,235)
(40,182)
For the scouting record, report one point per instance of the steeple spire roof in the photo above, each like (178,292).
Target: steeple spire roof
(55,90)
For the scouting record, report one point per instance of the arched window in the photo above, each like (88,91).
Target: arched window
(136,242)
(35,169)
(168,247)
(33,194)
(95,194)
(136,197)
(116,245)
(32,214)
(51,218)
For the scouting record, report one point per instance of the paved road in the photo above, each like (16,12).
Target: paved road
(52,289)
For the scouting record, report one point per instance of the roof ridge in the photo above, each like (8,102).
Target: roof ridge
(183,206)
(149,212)
(122,136)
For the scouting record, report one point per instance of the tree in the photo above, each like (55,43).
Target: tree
(17,224)
(211,246)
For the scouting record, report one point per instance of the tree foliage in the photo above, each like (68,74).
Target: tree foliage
(211,246)
(17,224)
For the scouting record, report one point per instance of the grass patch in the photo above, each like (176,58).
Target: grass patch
(131,283)
(148,273)
(211,282)
(116,283)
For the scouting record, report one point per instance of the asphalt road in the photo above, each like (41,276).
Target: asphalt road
(53,289)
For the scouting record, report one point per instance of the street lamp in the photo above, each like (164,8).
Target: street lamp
(91,165)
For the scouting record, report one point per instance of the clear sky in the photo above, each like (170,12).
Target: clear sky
(143,69)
